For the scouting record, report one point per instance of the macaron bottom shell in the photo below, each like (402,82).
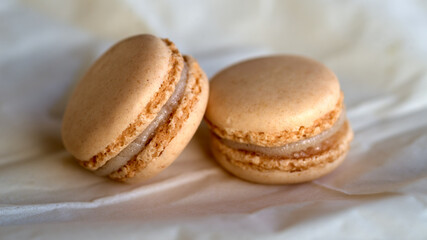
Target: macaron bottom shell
(170,138)
(250,166)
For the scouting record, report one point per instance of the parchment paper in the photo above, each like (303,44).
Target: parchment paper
(378,49)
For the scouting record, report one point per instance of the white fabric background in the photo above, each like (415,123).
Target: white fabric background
(378,49)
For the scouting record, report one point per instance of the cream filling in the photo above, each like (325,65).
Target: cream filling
(302,148)
(142,140)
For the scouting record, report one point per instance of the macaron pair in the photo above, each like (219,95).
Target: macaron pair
(278,120)
(273,120)
(135,109)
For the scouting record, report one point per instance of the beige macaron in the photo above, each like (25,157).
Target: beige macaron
(277,120)
(135,109)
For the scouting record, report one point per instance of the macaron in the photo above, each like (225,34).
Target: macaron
(135,109)
(278,120)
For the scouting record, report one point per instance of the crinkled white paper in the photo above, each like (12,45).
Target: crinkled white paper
(378,49)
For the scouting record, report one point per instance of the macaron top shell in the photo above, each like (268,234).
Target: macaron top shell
(260,100)
(120,95)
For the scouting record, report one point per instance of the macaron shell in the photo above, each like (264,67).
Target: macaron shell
(106,110)
(313,167)
(277,177)
(185,120)
(272,96)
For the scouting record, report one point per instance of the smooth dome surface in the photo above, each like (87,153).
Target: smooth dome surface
(272,94)
(113,92)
